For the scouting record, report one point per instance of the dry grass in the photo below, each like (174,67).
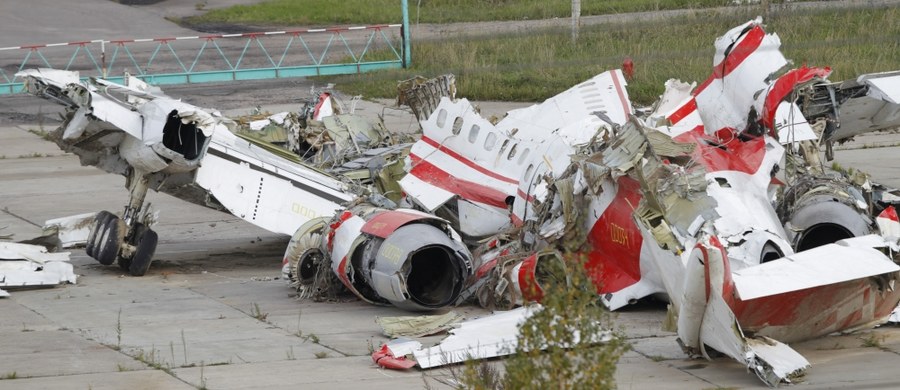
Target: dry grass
(536,66)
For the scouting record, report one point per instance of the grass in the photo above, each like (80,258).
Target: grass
(316,12)
(872,341)
(256,313)
(533,67)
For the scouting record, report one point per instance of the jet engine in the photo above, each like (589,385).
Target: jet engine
(403,257)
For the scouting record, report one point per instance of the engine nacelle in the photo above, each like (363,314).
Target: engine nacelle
(409,259)
(819,211)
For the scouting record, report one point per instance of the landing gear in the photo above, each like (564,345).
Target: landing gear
(127,240)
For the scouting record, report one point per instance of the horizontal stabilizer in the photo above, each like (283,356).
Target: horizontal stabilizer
(827,264)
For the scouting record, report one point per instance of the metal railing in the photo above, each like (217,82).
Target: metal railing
(216,58)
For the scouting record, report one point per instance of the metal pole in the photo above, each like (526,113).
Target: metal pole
(407,60)
(576,14)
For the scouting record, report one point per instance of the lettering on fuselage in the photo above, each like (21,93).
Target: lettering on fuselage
(307,212)
(391,252)
(618,234)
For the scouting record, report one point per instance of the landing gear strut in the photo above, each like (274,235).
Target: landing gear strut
(129,239)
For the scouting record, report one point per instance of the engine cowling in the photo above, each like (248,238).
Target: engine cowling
(402,257)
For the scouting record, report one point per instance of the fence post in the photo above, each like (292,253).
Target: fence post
(407,60)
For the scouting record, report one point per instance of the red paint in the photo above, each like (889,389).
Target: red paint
(516,221)
(626,106)
(628,68)
(614,260)
(527,197)
(889,213)
(683,111)
(782,87)
(815,310)
(530,289)
(385,223)
(385,358)
(728,153)
(342,275)
(334,227)
(743,49)
(483,270)
(468,190)
(322,98)
(467,162)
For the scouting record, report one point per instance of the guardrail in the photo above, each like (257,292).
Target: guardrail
(216,58)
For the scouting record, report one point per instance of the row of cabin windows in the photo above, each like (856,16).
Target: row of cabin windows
(489,141)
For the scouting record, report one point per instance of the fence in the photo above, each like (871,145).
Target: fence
(216,58)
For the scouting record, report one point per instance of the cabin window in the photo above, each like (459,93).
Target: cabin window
(490,141)
(512,152)
(442,118)
(523,156)
(457,125)
(473,133)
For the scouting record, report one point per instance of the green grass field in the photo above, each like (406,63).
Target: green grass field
(536,66)
(318,12)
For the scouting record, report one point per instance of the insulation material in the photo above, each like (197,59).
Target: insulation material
(418,326)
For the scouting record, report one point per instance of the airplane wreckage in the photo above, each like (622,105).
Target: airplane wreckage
(715,198)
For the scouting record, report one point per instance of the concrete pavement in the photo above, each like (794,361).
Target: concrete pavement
(213,313)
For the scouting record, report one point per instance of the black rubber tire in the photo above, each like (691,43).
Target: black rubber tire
(143,253)
(97,227)
(108,247)
(138,230)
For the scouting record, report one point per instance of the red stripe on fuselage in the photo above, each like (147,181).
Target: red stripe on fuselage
(738,54)
(467,162)
(467,190)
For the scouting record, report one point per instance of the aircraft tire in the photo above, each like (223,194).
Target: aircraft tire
(96,230)
(108,242)
(125,262)
(145,247)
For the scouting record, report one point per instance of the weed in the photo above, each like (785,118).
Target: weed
(312,337)
(25,328)
(121,367)
(872,341)
(119,331)
(256,313)
(657,358)
(566,343)
(321,355)
(152,359)
(183,347)
(10,375)
(44,134)
(202,378)
(290,354)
